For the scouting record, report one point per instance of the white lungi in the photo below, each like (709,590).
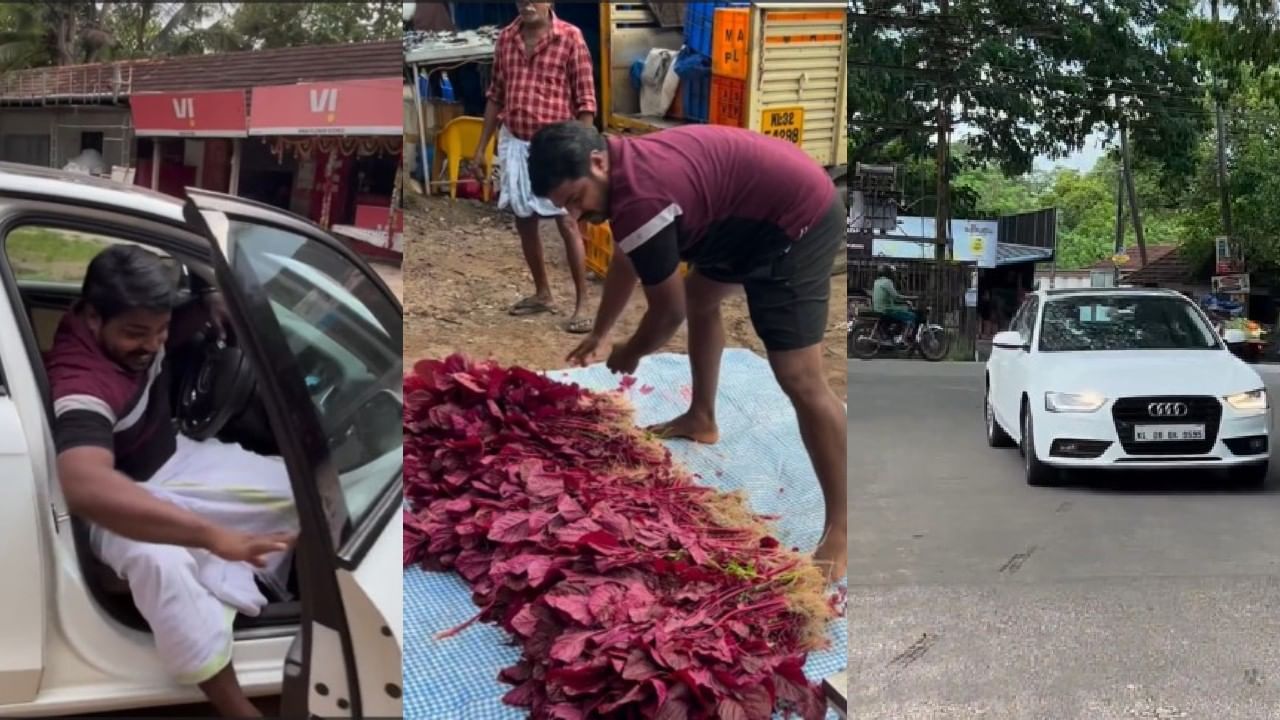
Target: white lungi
(190,597)
(516,192)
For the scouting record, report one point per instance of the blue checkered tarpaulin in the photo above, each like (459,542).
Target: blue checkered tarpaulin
(760,452)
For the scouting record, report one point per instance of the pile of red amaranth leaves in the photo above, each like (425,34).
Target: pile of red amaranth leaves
(632,591)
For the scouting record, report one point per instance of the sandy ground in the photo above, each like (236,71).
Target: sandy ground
(464,269)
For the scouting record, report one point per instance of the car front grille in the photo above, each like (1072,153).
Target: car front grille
(1128,412)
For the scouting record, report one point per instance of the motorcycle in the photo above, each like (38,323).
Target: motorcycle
(1229,315)
(871,333)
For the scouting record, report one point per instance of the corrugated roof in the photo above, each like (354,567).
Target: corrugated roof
(1014,253)
(223,71)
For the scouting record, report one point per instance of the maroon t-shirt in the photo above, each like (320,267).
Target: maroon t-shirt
(100,403)
(727,200)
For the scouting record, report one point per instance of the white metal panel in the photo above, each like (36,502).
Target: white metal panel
(25,517)
(23,598)
(808,73)
(373,598)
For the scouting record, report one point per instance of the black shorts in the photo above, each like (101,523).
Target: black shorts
(788,296)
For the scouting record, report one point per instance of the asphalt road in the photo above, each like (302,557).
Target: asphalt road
(973,595)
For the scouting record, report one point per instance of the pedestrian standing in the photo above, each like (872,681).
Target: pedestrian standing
(542,74)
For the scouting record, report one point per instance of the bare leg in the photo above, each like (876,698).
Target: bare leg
(226,696)
(822,426)
(531,244)
(576,255)
(706,345)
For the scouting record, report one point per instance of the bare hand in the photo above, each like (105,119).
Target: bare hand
(247,547)
(622,361)
(477,166)
(582,355)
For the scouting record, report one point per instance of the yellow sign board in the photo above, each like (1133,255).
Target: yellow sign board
(785,123)
(1120,259)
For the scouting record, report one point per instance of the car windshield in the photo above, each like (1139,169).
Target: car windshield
(1123,322)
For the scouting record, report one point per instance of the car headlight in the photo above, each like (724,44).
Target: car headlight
(1254,400)
(1073,402)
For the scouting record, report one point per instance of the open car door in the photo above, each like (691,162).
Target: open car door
(325,337)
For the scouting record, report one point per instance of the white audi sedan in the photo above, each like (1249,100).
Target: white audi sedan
(1123,379)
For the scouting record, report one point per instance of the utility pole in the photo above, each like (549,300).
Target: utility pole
(1224,199)
(942,209)
(1133,194)
(1119,222)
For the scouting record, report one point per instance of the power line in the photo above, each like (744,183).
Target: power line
(1168,104)
(929,20)
(1124,88)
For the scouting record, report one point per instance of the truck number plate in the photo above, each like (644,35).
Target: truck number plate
(785,123)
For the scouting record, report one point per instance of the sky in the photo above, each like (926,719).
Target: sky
(1082,160)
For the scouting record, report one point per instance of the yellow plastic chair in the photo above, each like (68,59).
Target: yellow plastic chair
(457,140)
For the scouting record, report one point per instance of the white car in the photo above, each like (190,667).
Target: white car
(314,374)
(1123,379)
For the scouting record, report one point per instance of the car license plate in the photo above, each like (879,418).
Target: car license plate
(1167,433)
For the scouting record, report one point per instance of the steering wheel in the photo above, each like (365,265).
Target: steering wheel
(214,388)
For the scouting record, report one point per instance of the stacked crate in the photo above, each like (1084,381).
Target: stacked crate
(695,82)
(730,37)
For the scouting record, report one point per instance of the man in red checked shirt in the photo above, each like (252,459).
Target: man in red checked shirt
(542,74)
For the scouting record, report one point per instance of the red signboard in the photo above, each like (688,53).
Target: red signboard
(193,114)
(346,107)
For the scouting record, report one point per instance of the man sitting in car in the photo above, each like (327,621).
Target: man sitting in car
(187,524)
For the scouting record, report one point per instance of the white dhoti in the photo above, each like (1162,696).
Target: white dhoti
(190,597)
(516,192)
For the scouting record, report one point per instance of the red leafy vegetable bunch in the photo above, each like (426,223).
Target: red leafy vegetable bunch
(632,591)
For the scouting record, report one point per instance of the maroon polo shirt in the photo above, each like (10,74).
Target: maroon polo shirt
(99,403)
(727,200)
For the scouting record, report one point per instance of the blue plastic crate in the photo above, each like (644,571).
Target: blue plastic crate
(695,97)
(699,21)
(694,70)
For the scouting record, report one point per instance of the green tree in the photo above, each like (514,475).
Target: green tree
(1030,77)
(50,33)
(152,29)
(261,26)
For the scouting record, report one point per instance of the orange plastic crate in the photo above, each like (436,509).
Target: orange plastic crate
(730,35)
(598,240)
(728,99)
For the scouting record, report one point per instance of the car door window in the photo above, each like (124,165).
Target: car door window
(344,332)
(52,255)
(49,264)
(1028,325)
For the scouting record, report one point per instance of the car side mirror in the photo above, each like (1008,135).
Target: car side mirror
(1234,336)
(1009,340)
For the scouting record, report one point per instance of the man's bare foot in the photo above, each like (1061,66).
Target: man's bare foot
(832,556)
(688,426)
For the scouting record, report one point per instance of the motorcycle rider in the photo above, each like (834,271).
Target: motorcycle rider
(886,300)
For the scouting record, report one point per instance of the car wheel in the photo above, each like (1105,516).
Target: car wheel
(996,436)
(1038,474)
(1251,476)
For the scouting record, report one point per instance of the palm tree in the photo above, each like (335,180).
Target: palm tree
(37,34)
(50,33)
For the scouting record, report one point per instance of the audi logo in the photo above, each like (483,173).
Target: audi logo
(1167,409)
